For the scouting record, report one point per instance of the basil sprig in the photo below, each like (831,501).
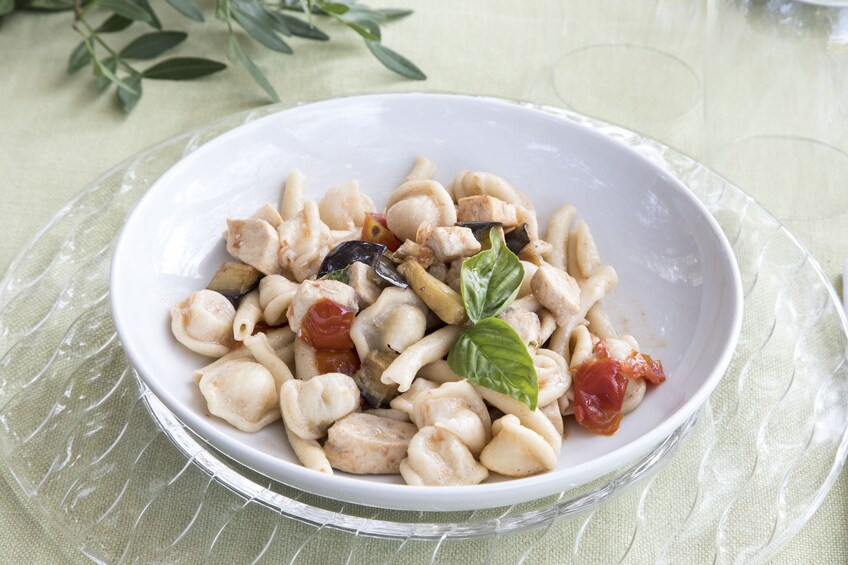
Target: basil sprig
(490,280)
(490,353)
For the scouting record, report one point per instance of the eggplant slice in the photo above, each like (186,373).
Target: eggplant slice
(234,280)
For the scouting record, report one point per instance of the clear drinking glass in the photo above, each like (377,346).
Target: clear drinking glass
(776,102)
(635,64)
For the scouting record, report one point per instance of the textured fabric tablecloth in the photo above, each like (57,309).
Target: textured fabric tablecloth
(57,133)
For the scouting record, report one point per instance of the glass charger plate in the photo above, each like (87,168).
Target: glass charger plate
(113,471)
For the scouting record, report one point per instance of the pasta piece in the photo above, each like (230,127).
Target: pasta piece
(526,325)
(262,351)
(311,292)
(275,296)
(553,414)
(458,408)
(633,395)
(599,321)
(529,270)
(389,413)
(241,392)
(415,202)
(310,407)
(344,207)
(396,320)
(436,457)
(365,444)
(477,183)
(361,281)
(429,349)
(547,325)
(405,402)
(517,451)
(240,353)
(587,258)
(559,227)
(532,419)
(269,214)
(304,242)
(582,348)
(553,375)
(305,361)
(254,242)
(423,169)
(594,288)
(203,322)
(310,453)
(247,316)
(292,201)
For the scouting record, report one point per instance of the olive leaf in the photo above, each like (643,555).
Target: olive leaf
(129,98)
(127,9)
(237,55)
(260,25)
(7,7)
(395,61)
(490,280)
(114,24)
(491,354)
(188,8)
(151,45)
(80,57)
(183,68)
(299,28)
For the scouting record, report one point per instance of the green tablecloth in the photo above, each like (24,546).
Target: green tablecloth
(57,133)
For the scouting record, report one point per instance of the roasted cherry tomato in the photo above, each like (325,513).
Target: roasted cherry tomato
(330,361)
(326,325)
(599,387)
(641,366)
(375,229)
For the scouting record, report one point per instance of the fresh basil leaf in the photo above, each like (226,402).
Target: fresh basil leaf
(299,28)
(260,25)
(188,8)
(341,275)
(128,98)
(79,58)
(151,45)
(237,55)
(490,280)
(183,68)
(113,24)
(491,354)
(128,9)
(395,61)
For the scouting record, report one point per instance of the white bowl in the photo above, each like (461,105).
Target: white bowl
(679,290)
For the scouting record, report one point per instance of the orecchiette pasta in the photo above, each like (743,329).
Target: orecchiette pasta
(397,305)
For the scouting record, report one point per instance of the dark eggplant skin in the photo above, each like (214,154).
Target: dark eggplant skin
(517,239)
(480,229)
(234,280)
(385,269)
(376,393)
(348,252)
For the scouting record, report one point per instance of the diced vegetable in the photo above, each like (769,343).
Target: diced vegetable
(332,361)
(348,252)
(326,325)
(386,270)
(439,297)
(376,230)
(234,280)
(517,239)
(367,378)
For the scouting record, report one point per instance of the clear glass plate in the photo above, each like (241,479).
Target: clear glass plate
(110,468)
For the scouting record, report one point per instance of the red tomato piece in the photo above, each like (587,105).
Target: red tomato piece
(330,361)
(376,230)
(641,366)
(326,325)
(599,387)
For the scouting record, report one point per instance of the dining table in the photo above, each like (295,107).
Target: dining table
(744,101)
